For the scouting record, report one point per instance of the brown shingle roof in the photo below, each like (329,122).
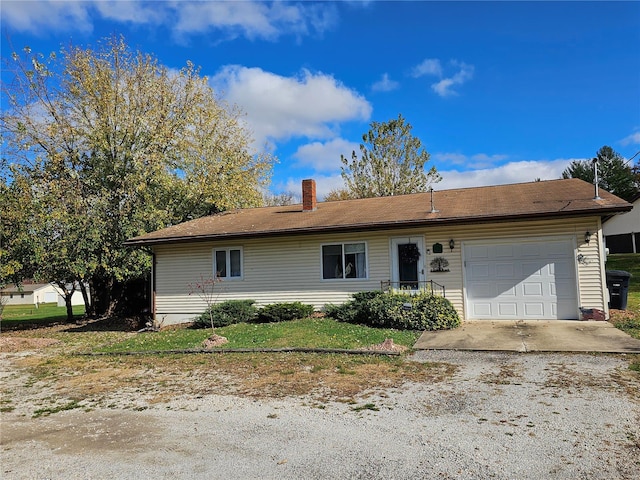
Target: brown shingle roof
(554,198)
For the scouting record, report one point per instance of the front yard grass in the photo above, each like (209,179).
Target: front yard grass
(30,316)
(306,333)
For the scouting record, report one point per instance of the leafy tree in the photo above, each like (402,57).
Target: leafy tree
(107,145)
(278,199)
(392,162)
(614,174)
(337,194)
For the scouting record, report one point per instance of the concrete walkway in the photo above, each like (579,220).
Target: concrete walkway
(531,336)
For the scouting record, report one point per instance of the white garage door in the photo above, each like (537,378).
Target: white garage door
(521,280)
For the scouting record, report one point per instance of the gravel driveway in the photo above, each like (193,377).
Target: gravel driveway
(503,416)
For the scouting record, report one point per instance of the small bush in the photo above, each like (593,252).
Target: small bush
(282,312)
(227,313)
(356,310)
(423,311)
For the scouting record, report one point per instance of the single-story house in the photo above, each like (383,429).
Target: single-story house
(622,232)
(37,293)
(522,251)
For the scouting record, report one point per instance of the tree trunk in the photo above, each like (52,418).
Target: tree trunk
(85,298)
(67,303)
(67,293)
(102,295)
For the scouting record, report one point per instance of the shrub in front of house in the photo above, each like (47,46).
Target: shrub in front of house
(227,313)
(282,312)
(422,311)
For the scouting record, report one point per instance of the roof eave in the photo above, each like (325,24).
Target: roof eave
(373,225)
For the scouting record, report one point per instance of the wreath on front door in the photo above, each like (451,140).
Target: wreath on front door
(410,253)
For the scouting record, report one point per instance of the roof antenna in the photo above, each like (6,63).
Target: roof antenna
(595,177)
(433,209)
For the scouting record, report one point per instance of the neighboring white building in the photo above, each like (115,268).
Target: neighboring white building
(622,232)
(37,293)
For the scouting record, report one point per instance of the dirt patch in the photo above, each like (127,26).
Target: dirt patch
(18,344)
(214,341)
(135,381)
(84,432)
(388,346)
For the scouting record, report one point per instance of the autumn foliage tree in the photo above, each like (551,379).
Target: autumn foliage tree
(108,144)
(391,162)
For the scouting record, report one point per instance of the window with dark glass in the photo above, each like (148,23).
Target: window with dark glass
(227,263)
(344,260)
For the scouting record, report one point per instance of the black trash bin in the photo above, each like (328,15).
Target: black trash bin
(618,285)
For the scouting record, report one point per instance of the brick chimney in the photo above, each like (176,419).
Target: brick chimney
(309,202)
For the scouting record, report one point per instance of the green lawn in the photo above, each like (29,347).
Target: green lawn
(628,321)
(307,333)
(27,316)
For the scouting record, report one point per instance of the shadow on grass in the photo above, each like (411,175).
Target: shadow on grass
(17,325)
(79,324)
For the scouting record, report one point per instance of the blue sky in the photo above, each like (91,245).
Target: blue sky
(498,92)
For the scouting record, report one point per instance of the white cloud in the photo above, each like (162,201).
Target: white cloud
(309,105)
(251,19)
(325,157)
(42,17)
(385,84)
(477,161)
(633,139)
(429,66)
(445,86)
(513,172)
(131,12)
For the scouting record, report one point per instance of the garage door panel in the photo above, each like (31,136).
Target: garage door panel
(532,289)
(507,309)
(479,271)
(534,309)
(505,270)
(559,249)
(505,289)
(477,253)
(481,310)
(484,290)
(563,289)
(532,250)
(561,269)
(532,268)
(533,280)
(504,251)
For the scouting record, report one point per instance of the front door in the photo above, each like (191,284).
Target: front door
(407,263)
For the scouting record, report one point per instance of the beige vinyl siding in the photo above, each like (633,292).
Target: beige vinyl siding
(278,270)
(289,268)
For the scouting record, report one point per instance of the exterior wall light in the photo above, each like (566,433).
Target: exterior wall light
(452,244)
(587,237)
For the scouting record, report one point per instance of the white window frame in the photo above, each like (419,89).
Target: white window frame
(227,251)
(342,244)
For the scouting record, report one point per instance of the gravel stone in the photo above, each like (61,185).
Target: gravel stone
(501,416)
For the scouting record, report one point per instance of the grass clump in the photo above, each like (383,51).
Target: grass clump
(422,311)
